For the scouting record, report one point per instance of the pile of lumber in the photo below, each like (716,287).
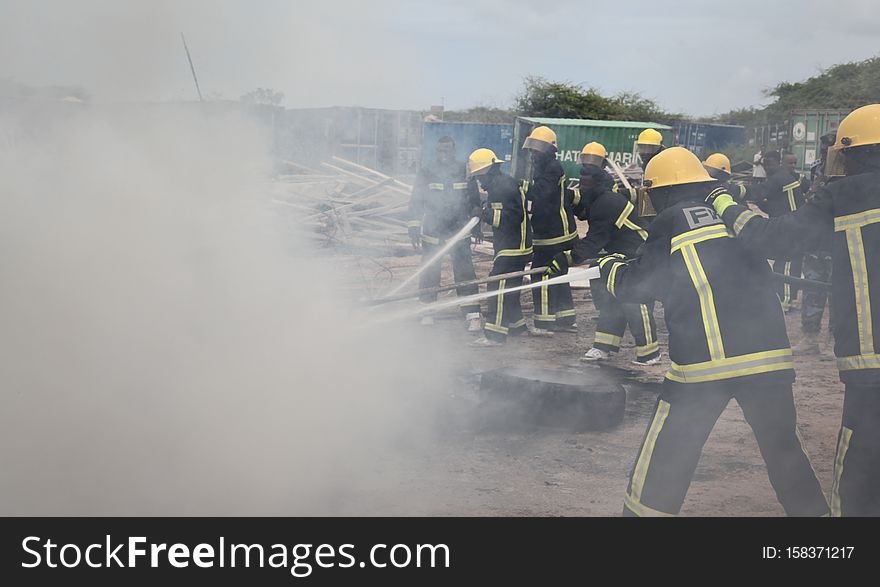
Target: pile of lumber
(346,204)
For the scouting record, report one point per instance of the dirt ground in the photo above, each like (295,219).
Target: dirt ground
(477,471)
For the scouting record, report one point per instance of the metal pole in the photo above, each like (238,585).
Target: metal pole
(191,67)
(442,288)
(804,283)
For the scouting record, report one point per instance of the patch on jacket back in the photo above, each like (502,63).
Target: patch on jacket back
(698,216)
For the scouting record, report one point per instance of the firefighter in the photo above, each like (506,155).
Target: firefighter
(718,167)
(554,229)
(782,193)
(818,177)
(613,229)
(649,143)
(442,202)
(847,211)
(727,340)
(505,211)
(817,264)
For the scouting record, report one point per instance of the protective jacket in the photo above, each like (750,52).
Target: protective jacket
(723,316)
(552,205)
(611,217)
(782,193)
(442,200)
(506,211)
(847,211)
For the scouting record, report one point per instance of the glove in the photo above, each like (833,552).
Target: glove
(607,265)
(477,234)
(559,265)
(415,236)
(720,200)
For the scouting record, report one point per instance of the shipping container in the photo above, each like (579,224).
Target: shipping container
(469,136)
(703,138)
(618,137)
(386,140)
(806,128)
(773,135)
(798,133)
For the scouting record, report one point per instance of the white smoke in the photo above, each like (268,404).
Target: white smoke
(167,348)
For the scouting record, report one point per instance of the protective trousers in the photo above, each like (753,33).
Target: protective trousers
(613,318)
(554,306)
(792,267)
(817,266)
(504,312)
(462,270)
(855,490)
(683,418)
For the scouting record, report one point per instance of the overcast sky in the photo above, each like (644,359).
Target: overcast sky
(690,56)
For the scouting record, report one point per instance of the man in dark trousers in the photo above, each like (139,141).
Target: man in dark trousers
(817,263)
(505,211)
(554,228)
(847,211)
(611,217)
(727,340)
(782,193)
(442,203)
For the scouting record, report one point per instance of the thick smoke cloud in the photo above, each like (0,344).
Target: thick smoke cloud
(167,348)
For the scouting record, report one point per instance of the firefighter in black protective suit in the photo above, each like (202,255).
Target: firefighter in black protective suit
(781,194)
(727,340)
(817,264)
(442,203)
(505,211)
(648,144)
(848,211)
(611,218)
(554,226)
(718,166)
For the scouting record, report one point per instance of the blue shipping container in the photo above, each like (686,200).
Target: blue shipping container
(469,136)
(703,138)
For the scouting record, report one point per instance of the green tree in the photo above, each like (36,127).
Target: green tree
(543,98)
(845,86)
(634,106)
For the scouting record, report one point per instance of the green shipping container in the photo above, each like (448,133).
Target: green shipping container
(807,126)
(618,137)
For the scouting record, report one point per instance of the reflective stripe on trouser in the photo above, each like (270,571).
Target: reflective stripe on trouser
(855,489)
(504,312)
(553,304)
(682,420)
(854,225)
(613,319)
(731,367)
(787,293)
(462,270)
(817,266)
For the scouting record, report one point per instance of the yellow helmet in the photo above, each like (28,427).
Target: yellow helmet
(480,161)
(674,166)
(593,154)
(649,136)
(860,128)
(717,162)
(542,139)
